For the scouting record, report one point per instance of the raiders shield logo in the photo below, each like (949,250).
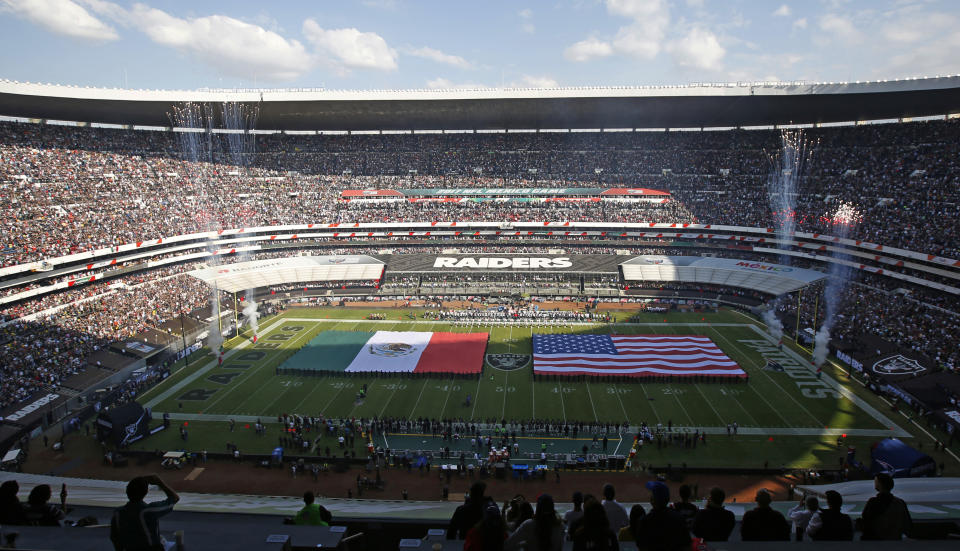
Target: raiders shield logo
(508,362)
(898,365)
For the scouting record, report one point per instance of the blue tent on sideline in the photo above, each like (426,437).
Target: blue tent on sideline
(894,457)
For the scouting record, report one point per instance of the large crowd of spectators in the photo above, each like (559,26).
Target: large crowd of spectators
(66,189)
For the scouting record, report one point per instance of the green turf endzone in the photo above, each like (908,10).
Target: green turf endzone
(770,399)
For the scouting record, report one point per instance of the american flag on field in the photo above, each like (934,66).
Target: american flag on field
(631,355)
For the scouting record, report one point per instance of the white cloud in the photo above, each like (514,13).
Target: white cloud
(63,17)
(918,27)
(783,11)
(438,56)
(643,38)
(588,49)
(530,81)
(352,48)
(840,28)
(699,49)
(235,47)
(525,15)
(636,9)
(936,57)
(800,23)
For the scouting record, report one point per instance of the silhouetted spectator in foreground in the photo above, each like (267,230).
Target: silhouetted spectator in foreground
(616,513)
(802,513)
(684,507)
(764,523)
(543,532)
(637,512)
(713,522)
(39,510)
(574,515)
(593,532)
(470,513)
(830,523)
(662,529)
(11,509)
(488,534)
(136,525)
(885,517)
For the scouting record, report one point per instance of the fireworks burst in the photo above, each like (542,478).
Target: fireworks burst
(845,215)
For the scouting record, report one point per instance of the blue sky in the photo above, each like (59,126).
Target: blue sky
(370,44)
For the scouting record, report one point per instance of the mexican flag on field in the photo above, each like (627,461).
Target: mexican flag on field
(393,352)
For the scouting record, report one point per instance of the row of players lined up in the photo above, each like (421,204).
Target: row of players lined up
(460,428)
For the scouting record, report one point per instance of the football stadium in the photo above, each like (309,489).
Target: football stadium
(445,314)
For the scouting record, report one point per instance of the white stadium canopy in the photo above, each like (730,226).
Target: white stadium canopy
(775,279)
(298,269)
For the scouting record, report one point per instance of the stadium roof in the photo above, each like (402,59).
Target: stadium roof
(766,278)
(241,276)
(691,106)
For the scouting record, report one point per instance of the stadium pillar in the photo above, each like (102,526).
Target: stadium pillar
(236,319)
(796,330)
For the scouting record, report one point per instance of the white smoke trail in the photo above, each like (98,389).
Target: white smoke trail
(821,345)
(250,314)
(774,325)
(843,220)
(786,169)
(216,338)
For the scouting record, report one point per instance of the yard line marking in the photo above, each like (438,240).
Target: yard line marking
(682,407)
(533,385)
(476,398)
(280,395)
(844,391)
(356,405)
(424,384)
(709,403)
(755,391)
(506,381)
(212,364)
(447,399)
(626,415)
(590,396)
(656,415)
(331,400)
(247,376)
(317,387)
(418,400)
(618,445)
(563,408)
(676,396)
(774,381)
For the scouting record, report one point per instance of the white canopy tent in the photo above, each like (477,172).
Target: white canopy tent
(241,276)
(774,279)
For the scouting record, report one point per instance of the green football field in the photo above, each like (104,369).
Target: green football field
(785,415)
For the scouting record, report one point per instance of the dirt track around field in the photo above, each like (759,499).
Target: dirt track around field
(84,460)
